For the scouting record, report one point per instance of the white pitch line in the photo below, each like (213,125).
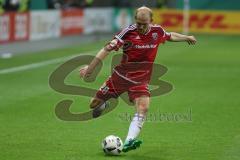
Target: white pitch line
(38,64)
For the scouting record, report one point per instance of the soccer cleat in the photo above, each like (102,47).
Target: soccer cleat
(131,145)
(98,110)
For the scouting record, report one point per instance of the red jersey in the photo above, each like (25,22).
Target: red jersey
(139,52)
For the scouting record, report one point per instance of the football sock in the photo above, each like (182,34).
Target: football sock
(135,126)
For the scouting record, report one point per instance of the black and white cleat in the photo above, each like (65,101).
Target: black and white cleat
(99,110)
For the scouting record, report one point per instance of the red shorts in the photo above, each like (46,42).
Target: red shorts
(116,85)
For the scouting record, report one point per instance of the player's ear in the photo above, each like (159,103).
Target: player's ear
(151,16)
(135,16)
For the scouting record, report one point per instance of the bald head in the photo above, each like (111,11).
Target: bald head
(143,18)
(143,13)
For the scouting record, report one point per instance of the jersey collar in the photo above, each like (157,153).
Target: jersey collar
(149,29)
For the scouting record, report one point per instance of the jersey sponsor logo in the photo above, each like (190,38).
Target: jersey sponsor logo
(145,46)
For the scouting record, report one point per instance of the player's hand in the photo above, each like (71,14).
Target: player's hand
(83,72)
(191,40)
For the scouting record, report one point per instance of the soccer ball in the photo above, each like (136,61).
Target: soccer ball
(112,145)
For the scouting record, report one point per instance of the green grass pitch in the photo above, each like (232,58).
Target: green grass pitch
(206,80)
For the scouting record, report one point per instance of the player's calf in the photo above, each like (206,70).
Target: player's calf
(142,105)
(136,124)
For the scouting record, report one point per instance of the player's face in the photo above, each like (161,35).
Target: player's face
(142,24)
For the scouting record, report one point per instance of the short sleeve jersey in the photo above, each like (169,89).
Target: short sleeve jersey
(139,51)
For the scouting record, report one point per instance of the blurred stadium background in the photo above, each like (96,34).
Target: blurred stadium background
(36,36)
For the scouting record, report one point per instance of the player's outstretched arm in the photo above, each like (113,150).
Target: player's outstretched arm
(87,70)
(176,37)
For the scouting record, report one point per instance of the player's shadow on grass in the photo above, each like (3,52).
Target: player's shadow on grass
(151,154)
(143,157)
(121,156)
(131,156)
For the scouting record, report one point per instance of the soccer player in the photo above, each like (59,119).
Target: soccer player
(140,43)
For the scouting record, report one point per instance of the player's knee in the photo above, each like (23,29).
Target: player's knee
(95,102)
(142,104)
(143,109)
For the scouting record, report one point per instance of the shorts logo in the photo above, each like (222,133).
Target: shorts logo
(155,36)
(104,89)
